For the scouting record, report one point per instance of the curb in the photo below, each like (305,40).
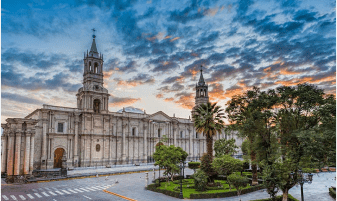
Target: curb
(85,176)
(121,196)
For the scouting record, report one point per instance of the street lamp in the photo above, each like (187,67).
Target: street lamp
(181,167)
(301,179)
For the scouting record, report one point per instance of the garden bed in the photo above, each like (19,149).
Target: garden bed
(279,198)
(173,189)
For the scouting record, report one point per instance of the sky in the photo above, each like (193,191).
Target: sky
(153,50)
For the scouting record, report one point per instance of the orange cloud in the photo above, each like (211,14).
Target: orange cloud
(159,96)
(295,81)
(211,11)
(128,83)
(118,102)
(168,99)
(173,39)
(286,72)
(186,101)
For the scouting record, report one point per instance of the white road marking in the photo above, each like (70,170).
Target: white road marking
(13,197)
(47,188)
(78,190)
(87,197)
(59,192)
(38,195)
(34,190)
(91,189)
(22,197)
(30,196)
(84,189)
(50,192)
(5,197)
(95,188)
(40,189)
(54,200)
(66,191)
(99,187)
(72,191)
(44,193)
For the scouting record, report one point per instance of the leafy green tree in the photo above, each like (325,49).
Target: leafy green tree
(208,120)
(225,147)
(168,157)
(226,165)
(238,181)
(194,165)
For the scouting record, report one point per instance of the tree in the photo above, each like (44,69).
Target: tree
(238,181)
(208,120)
(226,165)
(169,157)
(225,147)
(194,165)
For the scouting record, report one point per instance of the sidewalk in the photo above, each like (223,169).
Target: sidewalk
(100,171)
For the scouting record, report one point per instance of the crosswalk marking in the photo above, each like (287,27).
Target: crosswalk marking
(47,188)
(50,192)
(66,191)
(95,188)
(38,195)
(44,193)
(30,196)
(91,189)
(72,191)
(59,192)
(34,190)
(84,189)
(22,197)
(40,189)
(87,197)
(5,197)
(78,190)
(13,197)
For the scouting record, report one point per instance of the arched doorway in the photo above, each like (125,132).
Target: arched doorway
(58,157)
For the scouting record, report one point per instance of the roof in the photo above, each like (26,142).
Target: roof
(93,46)
(132,110)
(201,79)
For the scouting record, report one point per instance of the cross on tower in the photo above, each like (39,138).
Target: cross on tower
(93,30)
(201,68)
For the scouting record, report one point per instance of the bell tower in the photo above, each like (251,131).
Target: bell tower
(93,97)
(201,92)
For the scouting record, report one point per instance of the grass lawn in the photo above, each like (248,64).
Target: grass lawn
(188,187)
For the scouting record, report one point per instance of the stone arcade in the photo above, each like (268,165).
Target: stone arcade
(91,135)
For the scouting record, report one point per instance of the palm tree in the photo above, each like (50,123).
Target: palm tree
(208,120)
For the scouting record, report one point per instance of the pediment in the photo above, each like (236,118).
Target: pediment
(160,116)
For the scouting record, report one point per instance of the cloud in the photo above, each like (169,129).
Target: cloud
(173,79)
(20,98)
(119,101)
(185,100)
(131,66)
(140,79)
(174,88)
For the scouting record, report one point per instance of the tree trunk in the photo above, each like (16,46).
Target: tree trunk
(209,142)
(285,195)
(254,169)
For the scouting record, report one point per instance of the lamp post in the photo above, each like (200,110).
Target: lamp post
(181,167)
(301,179)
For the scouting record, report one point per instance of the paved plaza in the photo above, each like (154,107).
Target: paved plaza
(132,186)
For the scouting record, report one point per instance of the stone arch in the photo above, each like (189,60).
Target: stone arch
(97,105)
(59,153)
(90,67)
(96,70)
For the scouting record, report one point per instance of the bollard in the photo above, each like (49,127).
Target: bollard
(146,179)
(154,175)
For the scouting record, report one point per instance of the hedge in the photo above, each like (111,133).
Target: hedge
(279,198)
(332,193)
(153,187)
(224,194)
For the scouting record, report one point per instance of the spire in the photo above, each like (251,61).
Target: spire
(201,79)
(93,50)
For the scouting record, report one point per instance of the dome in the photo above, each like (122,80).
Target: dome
(132,110)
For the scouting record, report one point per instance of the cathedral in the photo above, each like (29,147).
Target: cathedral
(91,135)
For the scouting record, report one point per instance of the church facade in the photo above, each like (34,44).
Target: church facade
(91,135)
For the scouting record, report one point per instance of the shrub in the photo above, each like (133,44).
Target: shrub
(332,193)
(226,165)
(238,181)
(194,165)
(200,180)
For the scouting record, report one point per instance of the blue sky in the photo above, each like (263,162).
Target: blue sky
(153,50)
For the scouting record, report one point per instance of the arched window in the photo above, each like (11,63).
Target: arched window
(133,131)
(181,134)
(90,68)
(96,68)
(159,130)
(97,104)
(202,93)
(98,147)
(196,135)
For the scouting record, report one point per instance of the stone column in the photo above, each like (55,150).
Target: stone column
(175,136)
(191,134)
(4,153)
(44,144)
(17,153)
(145,143)
(91,150)
(31,162)
(10,154)
(123,141)
(77,119)
(27,154)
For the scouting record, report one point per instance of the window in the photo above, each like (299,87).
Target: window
(196,135)
(133,131)
(181,134)
(159,132)
(90,69)
(60,127)
(96,68)
(98,147)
